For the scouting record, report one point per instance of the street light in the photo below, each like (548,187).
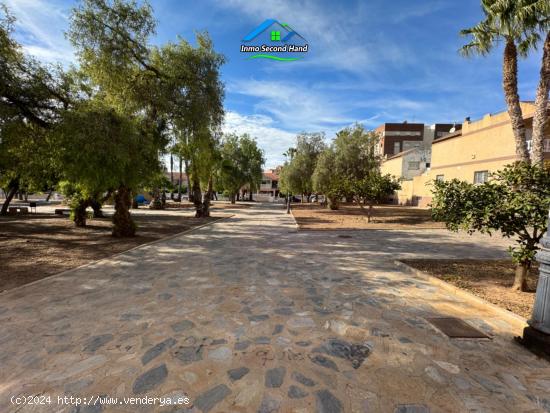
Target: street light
(537,334)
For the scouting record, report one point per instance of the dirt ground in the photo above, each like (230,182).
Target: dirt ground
(347,217)
(37,245)
(488,279)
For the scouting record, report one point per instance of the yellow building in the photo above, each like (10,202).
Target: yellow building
(471,154)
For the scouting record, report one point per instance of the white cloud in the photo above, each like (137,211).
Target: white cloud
(39,28)
(272,140)
(333,31)
(294,106)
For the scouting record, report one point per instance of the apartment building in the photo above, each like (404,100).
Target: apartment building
(400,137)
(470,154)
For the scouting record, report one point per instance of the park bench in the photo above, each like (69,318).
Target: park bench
(18,210)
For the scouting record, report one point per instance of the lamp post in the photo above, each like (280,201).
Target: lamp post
(537,334)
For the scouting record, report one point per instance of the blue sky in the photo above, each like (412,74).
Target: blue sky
(370,61)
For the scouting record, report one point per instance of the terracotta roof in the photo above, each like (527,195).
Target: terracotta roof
(270,175)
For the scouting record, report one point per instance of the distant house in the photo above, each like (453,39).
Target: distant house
(269,187)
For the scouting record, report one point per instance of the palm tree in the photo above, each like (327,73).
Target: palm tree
(536,14)
(503,22)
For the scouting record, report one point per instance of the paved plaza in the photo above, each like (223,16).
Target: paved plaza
(250,315)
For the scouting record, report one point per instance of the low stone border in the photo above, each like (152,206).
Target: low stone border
(458,291)
(115,255)
(294,219)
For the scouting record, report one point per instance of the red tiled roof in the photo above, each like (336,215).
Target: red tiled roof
(270,175)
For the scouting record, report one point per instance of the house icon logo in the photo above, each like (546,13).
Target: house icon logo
(275,41)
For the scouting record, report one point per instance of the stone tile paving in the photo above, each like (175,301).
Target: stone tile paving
(249,315)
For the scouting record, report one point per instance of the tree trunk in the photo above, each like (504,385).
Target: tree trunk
(180,181)
(156,203)
(520,279)
(541,106)
(369,213)
(49,195)
(123,226)
(79,213)
(207,199)
(96,206)
(232,198)
(332,203)
(510,87)
(250,195)
(172,176)
(197,197)
(12,190)
(189,194)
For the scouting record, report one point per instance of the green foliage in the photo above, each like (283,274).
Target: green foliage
(515,202)
(241,164)
(351,167)
(149,95)
(520,21)
(296,175)
(326,179)
(375,187)
(32,97)
(79,199)
(101,148)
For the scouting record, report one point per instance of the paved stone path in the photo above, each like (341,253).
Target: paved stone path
(249,315)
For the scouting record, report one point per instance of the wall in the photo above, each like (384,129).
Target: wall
(487,144)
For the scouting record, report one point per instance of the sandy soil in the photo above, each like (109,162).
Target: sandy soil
(37,245)
(488,279)
(315,217)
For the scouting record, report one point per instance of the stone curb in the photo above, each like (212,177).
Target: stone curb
(114,255)
(294,219)
(458,291)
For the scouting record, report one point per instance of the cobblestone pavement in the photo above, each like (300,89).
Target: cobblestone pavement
(249,315)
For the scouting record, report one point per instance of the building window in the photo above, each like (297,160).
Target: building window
(411,144)
(396,147)
(440,178)
(275,36)
(414,165)
(481,177)
(402,133)
(546,147)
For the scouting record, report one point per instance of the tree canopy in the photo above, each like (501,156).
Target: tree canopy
(296,175)
(515,202)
